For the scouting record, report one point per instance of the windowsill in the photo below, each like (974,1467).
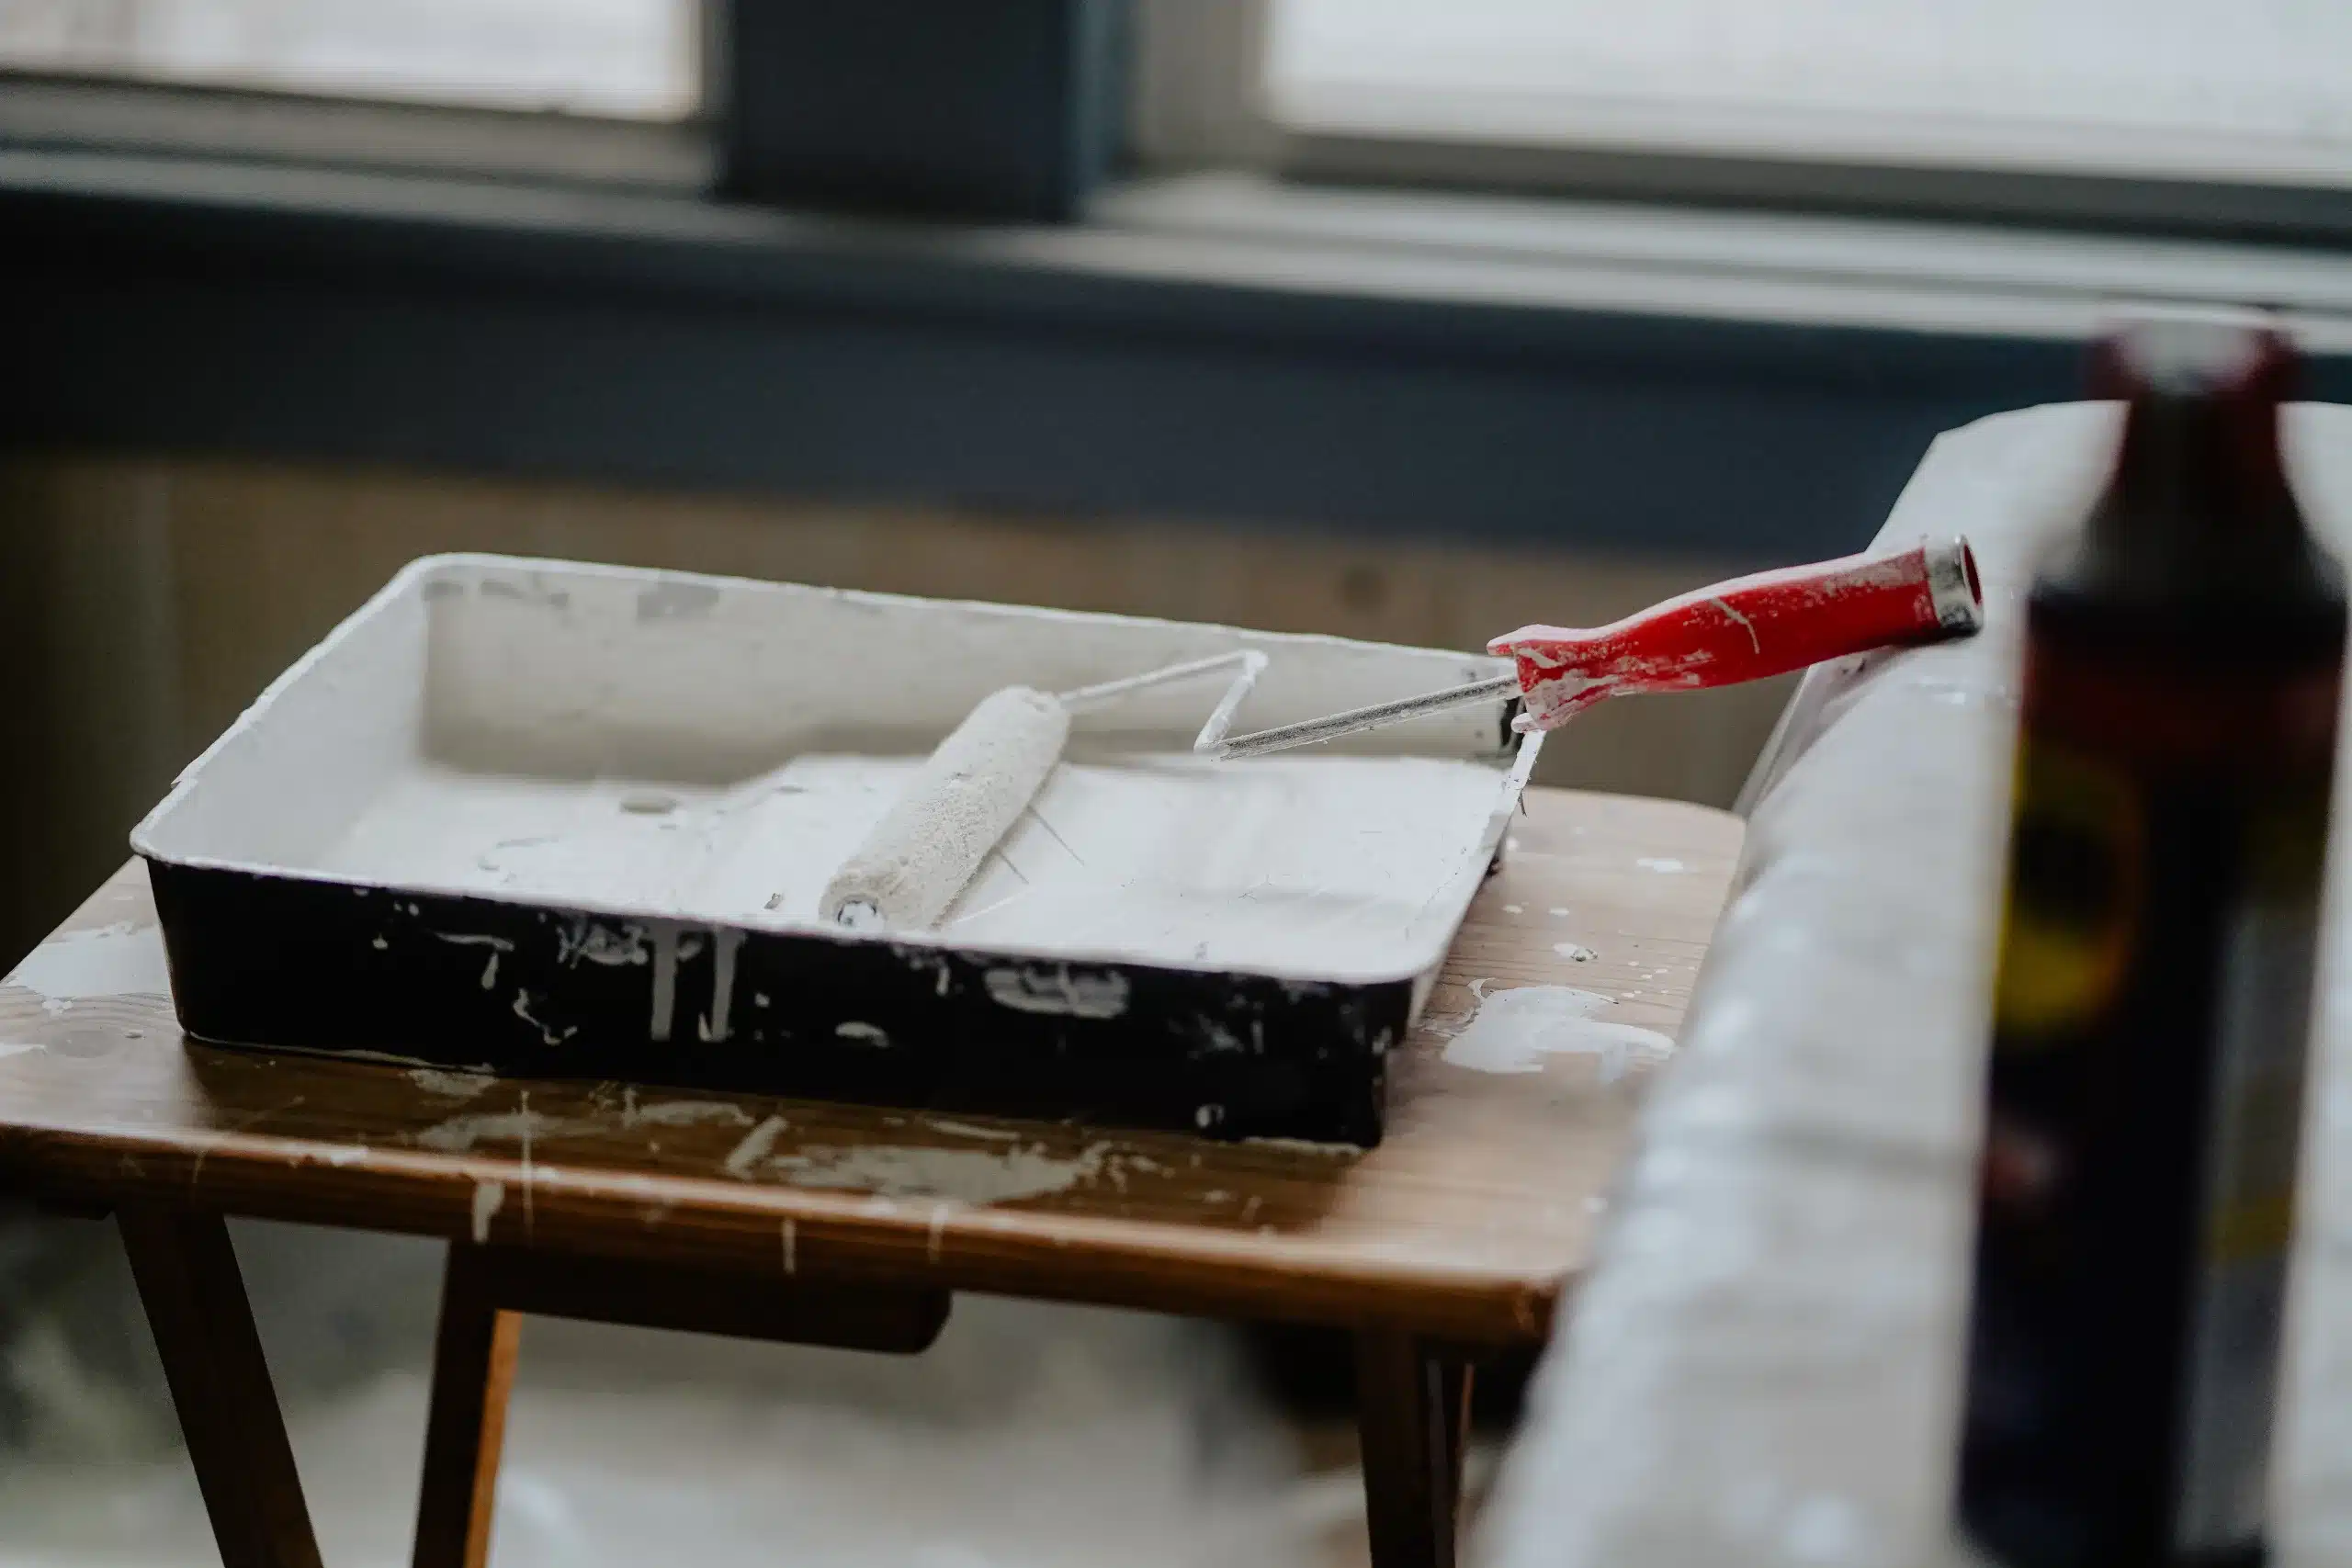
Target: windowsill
(1906,274)
(1249,234)
(135,119)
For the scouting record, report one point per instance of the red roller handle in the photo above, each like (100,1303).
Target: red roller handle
(1748,628)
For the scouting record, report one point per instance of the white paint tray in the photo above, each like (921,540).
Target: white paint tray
(571,820)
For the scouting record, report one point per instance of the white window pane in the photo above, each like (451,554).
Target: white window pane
(631,59)
(2255,87)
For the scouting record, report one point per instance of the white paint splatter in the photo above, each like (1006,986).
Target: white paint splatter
(1559,911)
(489,1197)
(1306,1146)
(497,945)
(344,1153)
(972,1130)
(1575,951)
(683,1114)
(122,959)
(606,945)
(754,1147)
(1514,909)
(460,1134)
(453,1085)
(548,1035)
(14,1048)
(1056,991)
(1748,626)
(863,1034)
(1515,1030)
(1661,863)
(962,1176)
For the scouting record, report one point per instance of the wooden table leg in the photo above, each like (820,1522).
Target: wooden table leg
(1413,1413)
(187,1280)
(473,1368)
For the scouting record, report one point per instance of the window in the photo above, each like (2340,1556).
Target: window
(608,59)
(2237,89)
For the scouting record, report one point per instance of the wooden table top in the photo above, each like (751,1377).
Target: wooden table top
(1465,1224)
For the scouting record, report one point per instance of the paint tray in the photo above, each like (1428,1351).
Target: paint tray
(561,820)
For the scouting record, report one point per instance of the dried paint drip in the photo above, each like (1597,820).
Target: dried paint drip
(1514,1031)
(496,944)
(722,984)
(489,1198)
(665,981)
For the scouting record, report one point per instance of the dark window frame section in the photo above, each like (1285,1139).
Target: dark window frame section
(1005,109)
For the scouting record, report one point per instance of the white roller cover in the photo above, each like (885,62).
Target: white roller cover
(967,793)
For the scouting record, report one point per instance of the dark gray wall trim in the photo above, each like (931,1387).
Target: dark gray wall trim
(686,344)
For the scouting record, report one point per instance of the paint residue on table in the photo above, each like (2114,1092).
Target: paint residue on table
(755,1146)
(1514,1031)
(450,1084)
(962,1176)
(1307,1146)
(111,961)
(681,1113)
(460,1134)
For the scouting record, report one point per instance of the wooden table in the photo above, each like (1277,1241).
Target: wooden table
(853,1225)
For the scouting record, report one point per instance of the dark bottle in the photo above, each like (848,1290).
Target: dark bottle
(2151,1014)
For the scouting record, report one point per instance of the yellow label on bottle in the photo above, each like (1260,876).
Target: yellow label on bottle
(2068,922)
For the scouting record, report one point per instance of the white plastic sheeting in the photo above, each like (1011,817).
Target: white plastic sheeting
(1763,1366)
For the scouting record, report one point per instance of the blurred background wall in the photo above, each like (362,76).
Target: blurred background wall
(145,601)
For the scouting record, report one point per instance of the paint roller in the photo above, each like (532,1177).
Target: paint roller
(971,790)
